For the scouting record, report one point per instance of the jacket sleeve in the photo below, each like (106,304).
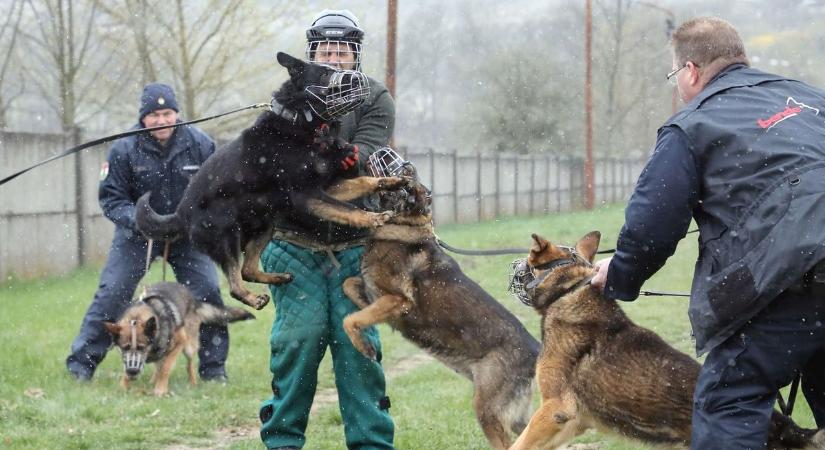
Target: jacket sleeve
(375,127)
(114,192)
(657,216)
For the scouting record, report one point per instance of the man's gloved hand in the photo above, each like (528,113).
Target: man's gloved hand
(350,158)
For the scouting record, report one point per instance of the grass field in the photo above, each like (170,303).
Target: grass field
(42,407)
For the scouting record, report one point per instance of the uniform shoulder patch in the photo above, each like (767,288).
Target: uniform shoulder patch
(104,171)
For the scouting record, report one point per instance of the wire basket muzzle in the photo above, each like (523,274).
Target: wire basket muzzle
(520,277)
(345,92)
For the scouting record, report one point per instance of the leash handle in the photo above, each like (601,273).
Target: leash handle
(113,137)
(662,294)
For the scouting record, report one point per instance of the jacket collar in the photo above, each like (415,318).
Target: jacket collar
(178,142)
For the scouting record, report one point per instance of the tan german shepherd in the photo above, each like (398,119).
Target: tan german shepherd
(410,283)
(598,369)
(157,327)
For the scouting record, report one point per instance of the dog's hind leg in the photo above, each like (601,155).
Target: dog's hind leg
(352,188)
(354,289)
(250,270)
(388,306)
(190,349)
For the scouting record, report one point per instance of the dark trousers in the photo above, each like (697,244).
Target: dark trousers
(124,269)
(739,381)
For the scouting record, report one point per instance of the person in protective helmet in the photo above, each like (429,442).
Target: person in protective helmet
(321,255)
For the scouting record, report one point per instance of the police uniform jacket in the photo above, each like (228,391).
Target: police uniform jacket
(138,164)
(746,160)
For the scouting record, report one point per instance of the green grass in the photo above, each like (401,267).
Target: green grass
(431,404)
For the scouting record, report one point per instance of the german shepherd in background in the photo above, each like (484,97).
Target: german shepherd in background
(277,166)
(598,369)
(163,322)
(409,282)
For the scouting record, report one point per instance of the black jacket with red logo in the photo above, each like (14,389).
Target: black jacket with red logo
(746,160)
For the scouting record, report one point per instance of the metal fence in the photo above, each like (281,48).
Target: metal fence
(50,221)
(468,188)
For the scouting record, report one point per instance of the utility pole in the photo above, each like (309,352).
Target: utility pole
(392,18)
(589,198)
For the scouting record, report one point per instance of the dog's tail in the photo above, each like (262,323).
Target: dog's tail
(221,315)
(154,225)
(787,434)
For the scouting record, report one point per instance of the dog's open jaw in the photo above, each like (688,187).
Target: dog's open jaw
(546,261)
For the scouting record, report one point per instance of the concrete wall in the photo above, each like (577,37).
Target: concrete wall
(39,214)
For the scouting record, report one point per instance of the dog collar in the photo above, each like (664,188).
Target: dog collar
(286,113)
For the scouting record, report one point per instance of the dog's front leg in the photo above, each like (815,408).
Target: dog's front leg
(166,364)
(250,270)
(124,382)
(351,188)
(321,205)
(388,306)
(552,425)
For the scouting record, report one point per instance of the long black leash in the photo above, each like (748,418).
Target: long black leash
(126,134)
(493,252)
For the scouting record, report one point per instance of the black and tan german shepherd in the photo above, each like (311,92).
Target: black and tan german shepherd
(409,282)
(164,322)
(280,165)
(598,369)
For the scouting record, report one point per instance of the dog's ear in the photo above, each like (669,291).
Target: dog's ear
(540,244)
(293,65)
(588,245)
(112,328)
(539,251)
(151,327)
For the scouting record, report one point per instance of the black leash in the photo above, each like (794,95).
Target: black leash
(126,134)
(787,409)
(492,252)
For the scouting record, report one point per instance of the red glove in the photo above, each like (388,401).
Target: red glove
(351,159)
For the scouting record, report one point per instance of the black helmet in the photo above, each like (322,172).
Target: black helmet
(339,28)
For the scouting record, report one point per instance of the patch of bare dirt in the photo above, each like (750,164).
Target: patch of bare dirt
(224,437)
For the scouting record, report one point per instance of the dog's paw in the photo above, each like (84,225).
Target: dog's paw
(160,392)
(379,219)
(354,333)
(260,301)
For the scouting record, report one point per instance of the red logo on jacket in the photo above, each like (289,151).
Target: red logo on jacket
(792,108)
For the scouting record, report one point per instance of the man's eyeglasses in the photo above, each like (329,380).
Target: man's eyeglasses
(671,77)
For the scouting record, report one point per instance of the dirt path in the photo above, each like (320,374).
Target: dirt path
(224,437)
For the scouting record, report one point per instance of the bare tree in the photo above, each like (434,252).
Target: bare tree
(9,31)
(74,65)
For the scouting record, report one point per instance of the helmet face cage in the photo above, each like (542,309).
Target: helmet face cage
(341,48)
(520,277)
(346,91)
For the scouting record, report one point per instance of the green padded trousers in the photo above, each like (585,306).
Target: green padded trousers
(309,317)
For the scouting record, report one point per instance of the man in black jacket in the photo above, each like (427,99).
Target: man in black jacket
(160,161)
(745,158)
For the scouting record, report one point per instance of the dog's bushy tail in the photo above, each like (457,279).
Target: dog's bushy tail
(221,315)
(154,225)
(787,434)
